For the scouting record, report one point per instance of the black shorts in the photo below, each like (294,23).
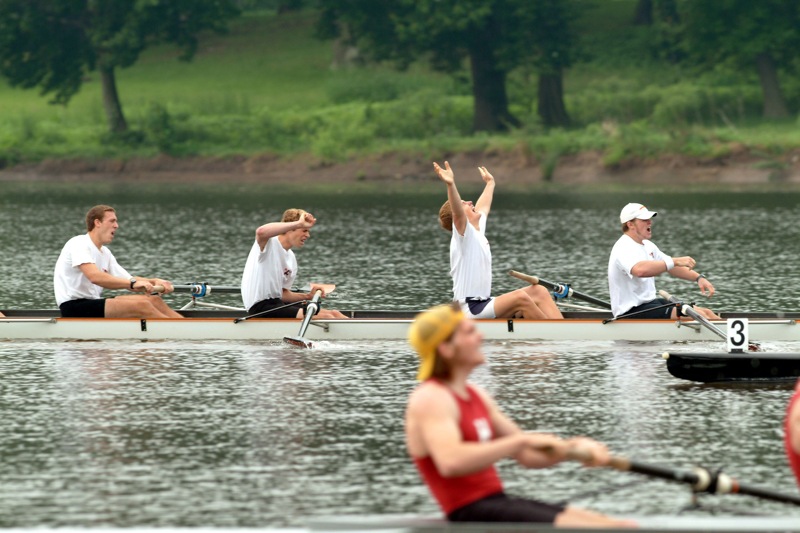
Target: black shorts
(650,312)
(503,508)
(84,308)
(274,303)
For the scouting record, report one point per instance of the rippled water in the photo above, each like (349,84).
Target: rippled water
(259,434)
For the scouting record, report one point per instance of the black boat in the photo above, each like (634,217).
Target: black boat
(744,366)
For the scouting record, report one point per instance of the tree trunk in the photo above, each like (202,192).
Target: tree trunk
(667,11)
(488,90)
(111,104)
(643,16)
(551,107)
(345,54)
(774,102)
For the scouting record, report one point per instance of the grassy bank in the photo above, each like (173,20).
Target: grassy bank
(267,87)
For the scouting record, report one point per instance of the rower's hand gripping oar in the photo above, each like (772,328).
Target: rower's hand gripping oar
(687,310)
(700,479)
(311,309)
(561,290)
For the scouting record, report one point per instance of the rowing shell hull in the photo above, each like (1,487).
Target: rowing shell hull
(214,325)
(727,367)
(647,524)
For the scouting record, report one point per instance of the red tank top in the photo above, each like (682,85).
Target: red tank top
(794,457)
(455,492)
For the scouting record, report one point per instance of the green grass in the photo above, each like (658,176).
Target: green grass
(267,87)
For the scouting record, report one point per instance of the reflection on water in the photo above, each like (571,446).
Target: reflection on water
(254,434)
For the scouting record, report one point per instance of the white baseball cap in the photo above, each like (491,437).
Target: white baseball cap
(631,211)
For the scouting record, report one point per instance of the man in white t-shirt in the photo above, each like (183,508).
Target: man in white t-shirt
(271,269)
(634,262)
(471,258)
(86,267)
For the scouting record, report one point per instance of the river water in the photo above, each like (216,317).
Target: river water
(262,435)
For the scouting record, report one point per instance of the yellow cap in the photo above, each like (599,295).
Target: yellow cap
(429,329)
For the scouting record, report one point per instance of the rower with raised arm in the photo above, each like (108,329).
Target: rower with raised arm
(271,269)
(455,433)
(86,267)
(471,258)
(635,261)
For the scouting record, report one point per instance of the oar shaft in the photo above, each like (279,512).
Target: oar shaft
(700,479)
(558,287)
(311,310)
(765,493)
(681,476)
(687,309)
(201,289)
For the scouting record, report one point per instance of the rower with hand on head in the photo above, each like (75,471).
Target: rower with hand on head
(471,258)
(455,433)
(634,262)
(86,267)
(271,269)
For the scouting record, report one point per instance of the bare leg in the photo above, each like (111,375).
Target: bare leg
(326,313)
(542,298)
(525,301)
(708,313)
(162,306)
(134,306)
(576,517)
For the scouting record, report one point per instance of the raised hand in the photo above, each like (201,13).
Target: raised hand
(445,174)
(307,221)
(485,175)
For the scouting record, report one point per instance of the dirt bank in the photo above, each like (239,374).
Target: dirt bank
(514,167)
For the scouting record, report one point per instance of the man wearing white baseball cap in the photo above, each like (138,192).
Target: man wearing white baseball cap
(634,263)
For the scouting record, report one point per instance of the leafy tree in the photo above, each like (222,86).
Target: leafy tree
(51,44)
(494,36)
(745,34)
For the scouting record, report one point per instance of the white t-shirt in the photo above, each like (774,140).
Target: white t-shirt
(69,282)
(267,272)
(626,289)
(471,262)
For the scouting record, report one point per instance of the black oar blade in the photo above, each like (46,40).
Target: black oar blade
(300,342)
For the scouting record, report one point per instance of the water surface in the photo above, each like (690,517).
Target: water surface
(260,434)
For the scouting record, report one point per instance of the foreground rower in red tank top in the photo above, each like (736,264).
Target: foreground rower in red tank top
(455,433)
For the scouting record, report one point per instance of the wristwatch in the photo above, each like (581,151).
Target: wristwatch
(133,281)
(698,277)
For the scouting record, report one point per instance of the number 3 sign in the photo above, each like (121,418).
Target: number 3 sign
(738,335)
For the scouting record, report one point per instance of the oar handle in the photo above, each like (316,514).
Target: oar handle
(533,280)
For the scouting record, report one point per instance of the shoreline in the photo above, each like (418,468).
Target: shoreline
(512,168)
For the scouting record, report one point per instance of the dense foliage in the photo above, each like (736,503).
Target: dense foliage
(629,90)
(53,44)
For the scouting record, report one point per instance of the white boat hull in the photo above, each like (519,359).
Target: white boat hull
(207,328)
